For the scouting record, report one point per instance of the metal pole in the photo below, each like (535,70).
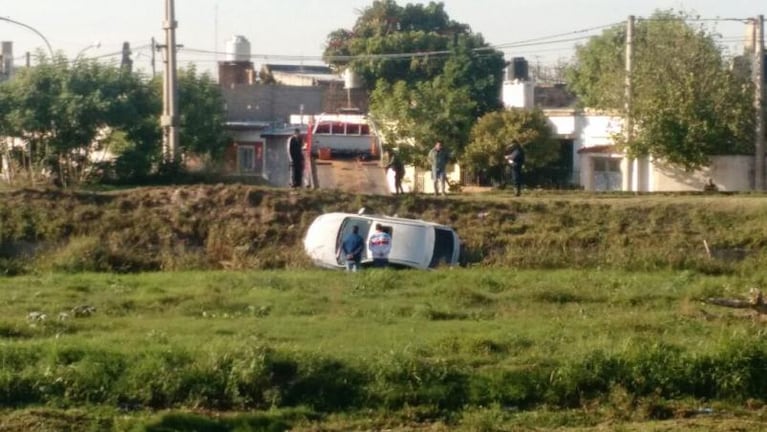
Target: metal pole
(628,182)
(759,103)
(50,50)
(169,119)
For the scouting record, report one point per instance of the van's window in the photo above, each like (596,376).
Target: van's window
(346,228)
(444,246)
(352,129)
(322,128)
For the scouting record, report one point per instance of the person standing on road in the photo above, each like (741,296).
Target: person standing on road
(516,159)
(395,164)
(380,246)
(438,157)
(296,159)
(351,249)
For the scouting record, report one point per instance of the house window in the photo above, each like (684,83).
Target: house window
(250,158)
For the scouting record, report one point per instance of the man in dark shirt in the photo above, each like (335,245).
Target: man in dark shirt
(296,158)
(516,159)
(351,249)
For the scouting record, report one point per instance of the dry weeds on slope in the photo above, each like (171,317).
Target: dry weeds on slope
(238,227)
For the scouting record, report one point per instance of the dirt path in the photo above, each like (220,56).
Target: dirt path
(351,176)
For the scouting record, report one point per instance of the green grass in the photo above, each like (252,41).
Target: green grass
(420,346)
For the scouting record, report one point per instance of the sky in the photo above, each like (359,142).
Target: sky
(294,31)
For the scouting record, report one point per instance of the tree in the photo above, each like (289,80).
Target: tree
(422,114)
(64,110)
(495,132)
(415,97)
(201,108)
(687,104)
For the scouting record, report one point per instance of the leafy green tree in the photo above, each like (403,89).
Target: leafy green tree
(416,118)
(687,103)
(201,108)
(495,132)
(420,98)
(64,110)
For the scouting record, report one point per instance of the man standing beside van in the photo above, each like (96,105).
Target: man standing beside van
(351,249)
(380,246)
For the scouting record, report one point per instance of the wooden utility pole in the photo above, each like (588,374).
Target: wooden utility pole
(153,43)
(759,102)
(630,170)
(169,120)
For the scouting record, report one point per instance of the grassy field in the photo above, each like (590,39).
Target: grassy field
(461,349)
(194,308)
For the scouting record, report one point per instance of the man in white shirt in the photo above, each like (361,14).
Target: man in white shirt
(380,246)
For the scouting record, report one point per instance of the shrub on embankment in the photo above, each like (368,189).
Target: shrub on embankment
(237,227)
(261,378)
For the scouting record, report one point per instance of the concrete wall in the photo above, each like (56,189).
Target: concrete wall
(729,173)
(585,130)
(270,103)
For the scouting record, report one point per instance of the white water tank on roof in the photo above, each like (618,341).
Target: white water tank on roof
(352,79)
(237,49)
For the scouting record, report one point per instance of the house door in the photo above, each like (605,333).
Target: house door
(607,174)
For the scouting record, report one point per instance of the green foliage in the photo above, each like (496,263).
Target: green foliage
(201,109)
(68,111)
(62,110)
(687,104)
(495,132)
(420,99)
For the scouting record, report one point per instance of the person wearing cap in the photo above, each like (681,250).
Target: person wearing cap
(296,158)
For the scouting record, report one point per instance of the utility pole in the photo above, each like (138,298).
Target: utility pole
(154,50)
(169,120)
(759,102)
(629,170)
(126,63)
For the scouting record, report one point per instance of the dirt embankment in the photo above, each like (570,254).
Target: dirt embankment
(245,227)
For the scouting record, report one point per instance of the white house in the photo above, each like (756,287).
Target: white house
(599,166)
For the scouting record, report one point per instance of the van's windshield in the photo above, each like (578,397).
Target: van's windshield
(444,246)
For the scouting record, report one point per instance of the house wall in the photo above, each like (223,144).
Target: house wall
(423,181)
(729,173)
(585,131)
(270,103)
